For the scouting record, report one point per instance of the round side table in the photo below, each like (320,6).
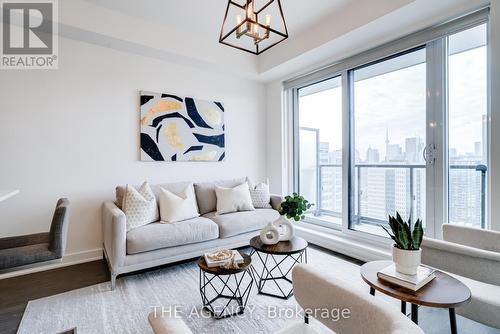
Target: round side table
(229,284)
(444,291)
(278,261)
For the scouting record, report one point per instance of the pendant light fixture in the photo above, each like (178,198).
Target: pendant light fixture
(253,25)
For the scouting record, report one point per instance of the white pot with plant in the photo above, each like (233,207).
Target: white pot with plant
(406,252)
(292,208)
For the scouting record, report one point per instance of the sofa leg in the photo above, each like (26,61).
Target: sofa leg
(113,281)
(306,318)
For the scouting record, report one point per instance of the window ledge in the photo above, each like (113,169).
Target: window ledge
(339,242)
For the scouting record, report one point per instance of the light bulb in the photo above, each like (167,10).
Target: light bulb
(268,20)
(238,22)
(255,29)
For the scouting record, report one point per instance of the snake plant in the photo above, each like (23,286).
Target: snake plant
(402,233)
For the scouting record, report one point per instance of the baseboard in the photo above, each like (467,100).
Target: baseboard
(68,260)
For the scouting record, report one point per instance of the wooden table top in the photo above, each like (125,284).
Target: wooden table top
(294,245)
(443,291)
(223,271)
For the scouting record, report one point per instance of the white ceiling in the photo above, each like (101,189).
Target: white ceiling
(203,18)
(187,31)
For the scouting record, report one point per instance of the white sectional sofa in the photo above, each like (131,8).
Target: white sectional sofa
(157,243)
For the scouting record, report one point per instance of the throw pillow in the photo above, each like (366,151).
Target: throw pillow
(139,206)
(233,199)
(175,208)
(261,197)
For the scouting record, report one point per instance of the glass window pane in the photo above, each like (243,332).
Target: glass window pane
(389,137)
(320,149)
(467,84)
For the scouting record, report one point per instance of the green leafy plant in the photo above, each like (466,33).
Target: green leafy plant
(294,207)
(402,233)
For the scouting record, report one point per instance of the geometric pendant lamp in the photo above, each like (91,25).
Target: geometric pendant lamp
(253,25)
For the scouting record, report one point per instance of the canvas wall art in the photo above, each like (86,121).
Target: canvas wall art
(175,128)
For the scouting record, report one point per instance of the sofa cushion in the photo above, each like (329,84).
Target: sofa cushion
(205,193)
(161,235)
(233,199)
(174,187)
(19,256)
(178,207)
(140,206)
(241,222)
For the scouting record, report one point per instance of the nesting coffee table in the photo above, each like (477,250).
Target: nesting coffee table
(278,261)
(227,284)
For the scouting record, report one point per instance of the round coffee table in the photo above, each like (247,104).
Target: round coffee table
(444,291)
(278,261)
(229,284)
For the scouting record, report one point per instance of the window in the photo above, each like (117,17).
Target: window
(388,140)
(410,120)
(467,127)
(320,149)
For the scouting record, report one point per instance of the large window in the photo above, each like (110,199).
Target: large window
(320,148)
(388,139)
(401,128)
(468,144)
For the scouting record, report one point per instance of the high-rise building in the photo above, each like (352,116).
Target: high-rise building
(372,155)
(413,149)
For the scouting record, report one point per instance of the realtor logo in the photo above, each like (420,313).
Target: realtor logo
(29,34)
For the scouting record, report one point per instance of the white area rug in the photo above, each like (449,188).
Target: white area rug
(96,309)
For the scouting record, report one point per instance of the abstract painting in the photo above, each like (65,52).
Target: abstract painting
(175,128)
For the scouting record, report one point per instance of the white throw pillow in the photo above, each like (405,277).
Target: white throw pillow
(175,208)
(261,197)
(139,206)
(233,199)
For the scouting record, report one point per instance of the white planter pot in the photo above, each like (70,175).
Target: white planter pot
(406,261)
(285,228)
(270,235)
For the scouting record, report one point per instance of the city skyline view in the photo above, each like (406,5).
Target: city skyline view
(390,127)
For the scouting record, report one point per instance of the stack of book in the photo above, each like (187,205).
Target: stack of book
(222,258)
(412,282)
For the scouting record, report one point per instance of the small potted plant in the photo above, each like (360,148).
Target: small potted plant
(294,208)
(406,252)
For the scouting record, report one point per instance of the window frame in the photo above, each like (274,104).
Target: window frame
(433,39)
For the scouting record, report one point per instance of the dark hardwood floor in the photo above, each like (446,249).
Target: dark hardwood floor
(17,291)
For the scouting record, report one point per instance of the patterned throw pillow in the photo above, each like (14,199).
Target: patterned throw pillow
(140,206)
(261,197)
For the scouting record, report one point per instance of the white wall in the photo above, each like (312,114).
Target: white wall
(74,132)
(276,131)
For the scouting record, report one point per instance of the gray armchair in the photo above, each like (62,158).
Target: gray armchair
(40,247)
(472,256)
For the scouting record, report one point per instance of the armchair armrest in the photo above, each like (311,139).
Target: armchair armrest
(276,201)
(24,240)
(114,234)
(474,263)
(473,237)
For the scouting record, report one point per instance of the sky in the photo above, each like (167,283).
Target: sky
(396,101)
